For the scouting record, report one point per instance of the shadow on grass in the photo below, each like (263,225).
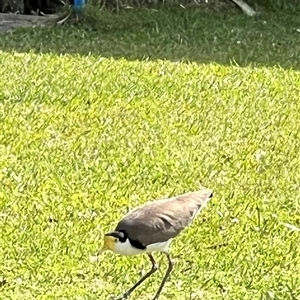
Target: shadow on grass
(172,34)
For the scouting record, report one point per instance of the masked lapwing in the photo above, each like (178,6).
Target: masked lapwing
(151,227)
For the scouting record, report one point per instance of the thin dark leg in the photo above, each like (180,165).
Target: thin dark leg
(153,270)
(170,268)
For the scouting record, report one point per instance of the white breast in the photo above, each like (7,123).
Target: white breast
(126,248)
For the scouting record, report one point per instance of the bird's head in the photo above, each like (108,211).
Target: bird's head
(111,239)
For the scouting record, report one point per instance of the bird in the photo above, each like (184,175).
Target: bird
(151,227)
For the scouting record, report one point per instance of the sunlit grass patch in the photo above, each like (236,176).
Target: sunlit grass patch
(84,139)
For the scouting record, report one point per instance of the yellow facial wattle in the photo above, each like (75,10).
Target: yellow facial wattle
(109,243)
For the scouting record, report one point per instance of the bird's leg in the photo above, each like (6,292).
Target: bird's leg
(170,268)
(153,270)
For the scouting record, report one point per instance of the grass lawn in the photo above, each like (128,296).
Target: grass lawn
(94,123)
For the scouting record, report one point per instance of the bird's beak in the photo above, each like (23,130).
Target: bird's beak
(94,259)
(103,249)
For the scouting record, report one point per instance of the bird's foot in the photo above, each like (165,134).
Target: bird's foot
(121,297)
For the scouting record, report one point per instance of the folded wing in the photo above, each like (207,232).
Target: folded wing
(162,220)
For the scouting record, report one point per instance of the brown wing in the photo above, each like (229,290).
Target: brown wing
(162,220)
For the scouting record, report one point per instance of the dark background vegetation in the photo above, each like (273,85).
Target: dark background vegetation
(53,6)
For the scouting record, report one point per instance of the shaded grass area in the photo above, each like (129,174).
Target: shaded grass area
(172,34)
(85,138)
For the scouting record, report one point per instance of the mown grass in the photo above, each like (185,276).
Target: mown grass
(85,138)
(173,34)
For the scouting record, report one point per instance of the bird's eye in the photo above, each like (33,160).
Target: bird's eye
(116,240)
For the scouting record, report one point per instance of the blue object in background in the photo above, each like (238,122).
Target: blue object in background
(78,5)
